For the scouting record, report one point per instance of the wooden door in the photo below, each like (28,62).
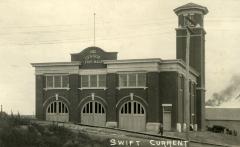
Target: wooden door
(57,111)
(167,120)
(132,116)
(93,113)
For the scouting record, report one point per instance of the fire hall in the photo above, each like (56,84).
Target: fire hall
(95,88)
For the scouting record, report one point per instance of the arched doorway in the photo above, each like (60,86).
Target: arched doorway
(132,116)
(57,111)
(93,113)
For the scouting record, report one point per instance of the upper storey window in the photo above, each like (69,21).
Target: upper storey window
(93,81)
(57,81)
(132,80)
(189,20)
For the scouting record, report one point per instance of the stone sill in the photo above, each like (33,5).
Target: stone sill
(46,89)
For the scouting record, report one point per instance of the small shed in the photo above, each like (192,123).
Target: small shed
(226,117)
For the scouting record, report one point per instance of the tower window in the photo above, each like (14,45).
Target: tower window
(186,21)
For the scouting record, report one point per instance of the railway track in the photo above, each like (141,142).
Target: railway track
(118,133)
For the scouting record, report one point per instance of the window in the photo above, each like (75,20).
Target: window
(57,81)
(141,79)
(132,108)
(57,107)
(188,19)
(132,80)
(167,108)
(93,81)
(123,80)
(49,81)
(102,80)
(65,81)
(85,81)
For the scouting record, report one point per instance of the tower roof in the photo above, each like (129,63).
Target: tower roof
(190,6)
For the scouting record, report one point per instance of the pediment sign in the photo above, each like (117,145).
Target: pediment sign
(93,57)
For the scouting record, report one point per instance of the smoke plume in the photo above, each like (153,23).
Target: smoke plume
(226,94)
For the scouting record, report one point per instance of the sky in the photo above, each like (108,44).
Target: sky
(33,31)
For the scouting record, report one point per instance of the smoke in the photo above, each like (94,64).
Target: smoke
(226,94)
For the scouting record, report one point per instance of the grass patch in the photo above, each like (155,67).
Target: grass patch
(18,132)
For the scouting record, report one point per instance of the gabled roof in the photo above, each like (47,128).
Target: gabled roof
(191,6)
(222,113)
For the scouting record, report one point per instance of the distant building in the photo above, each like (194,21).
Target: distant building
(96,88)
(227,117)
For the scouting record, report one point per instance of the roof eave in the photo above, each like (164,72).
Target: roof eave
(55,64)
(193,6)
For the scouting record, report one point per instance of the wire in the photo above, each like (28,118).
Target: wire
(125,23)
(88,40)
(72,31)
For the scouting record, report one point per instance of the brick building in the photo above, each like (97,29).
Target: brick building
(96,88)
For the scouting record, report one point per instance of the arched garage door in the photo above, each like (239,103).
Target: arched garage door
(57,111)
(132,116)
(93,113)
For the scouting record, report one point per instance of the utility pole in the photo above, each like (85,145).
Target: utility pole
(1,108)
(18,115)
(11,113)
(94,41)
(186,88)
(186,125)
(1,114)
